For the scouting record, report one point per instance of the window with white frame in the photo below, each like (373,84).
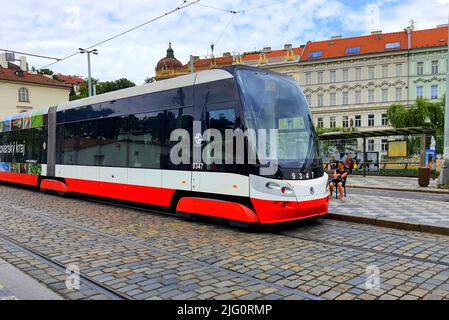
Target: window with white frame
(370,145)
(333,98)
(399,70)
(420,68)
(419,91)
(358,121)
(371,72)
(358,73)
(371,120)
(370,95)
(332,122)
(384,145)
(385,95)
(320,100)
(24,95)
(345,98)
(345,74)
(320,77)
(358,96)
(333,76)
(385,71)
(308,77)
(434,91)
(385,119)
(435,67)
(320,122)
(345,122)
(398,94)
(309,99)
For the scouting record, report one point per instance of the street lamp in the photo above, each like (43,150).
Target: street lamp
(444,170)
(89,79)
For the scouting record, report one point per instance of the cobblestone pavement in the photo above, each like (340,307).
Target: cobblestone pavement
(397,183)
(392,206)
(151,256)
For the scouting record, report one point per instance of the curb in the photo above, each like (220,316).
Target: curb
(391,223)
(435,191)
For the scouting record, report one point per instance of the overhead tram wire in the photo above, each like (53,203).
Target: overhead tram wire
(243,10)
(30,54)
(184,5)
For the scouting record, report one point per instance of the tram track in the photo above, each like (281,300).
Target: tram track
(288,235)
(84,280)
(124,240)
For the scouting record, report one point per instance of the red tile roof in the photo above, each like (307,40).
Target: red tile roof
(374,43)
(73,80)
(9,74)
(271,54)
(429,38)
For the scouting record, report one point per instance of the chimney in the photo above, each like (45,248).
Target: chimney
(376,32)
(266,49)
(3,62)
(288,47)
(23,64)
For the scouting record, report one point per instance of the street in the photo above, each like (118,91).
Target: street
(125,253)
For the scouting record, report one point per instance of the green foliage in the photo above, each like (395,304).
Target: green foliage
(325,130)
(46,71)
(103,87)
(423,113)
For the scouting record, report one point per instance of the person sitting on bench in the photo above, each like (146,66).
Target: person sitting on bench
(339,180)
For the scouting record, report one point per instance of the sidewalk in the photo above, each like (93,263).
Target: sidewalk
(400,213)
(16,285)
(393,183)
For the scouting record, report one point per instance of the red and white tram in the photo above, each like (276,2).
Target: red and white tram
(117,145)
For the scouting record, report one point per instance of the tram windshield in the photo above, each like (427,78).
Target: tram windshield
(272,101)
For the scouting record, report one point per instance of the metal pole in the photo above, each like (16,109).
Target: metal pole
(364,157)
(89,74)
(444,174)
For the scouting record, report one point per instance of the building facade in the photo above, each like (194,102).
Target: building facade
(23,91)
(351,82)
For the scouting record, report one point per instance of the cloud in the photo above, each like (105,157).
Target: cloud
(58,28)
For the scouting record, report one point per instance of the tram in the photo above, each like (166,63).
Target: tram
(122,145)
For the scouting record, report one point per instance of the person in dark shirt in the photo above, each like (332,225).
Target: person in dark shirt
(339,180)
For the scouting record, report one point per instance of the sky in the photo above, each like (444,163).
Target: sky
(58,28)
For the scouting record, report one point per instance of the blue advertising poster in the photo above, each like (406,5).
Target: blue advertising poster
(431,156)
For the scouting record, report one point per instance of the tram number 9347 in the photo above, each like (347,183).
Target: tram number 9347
(302,176)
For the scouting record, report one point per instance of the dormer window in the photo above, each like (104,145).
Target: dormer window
(315,54)
(352,50)
(19,73)
(24,95)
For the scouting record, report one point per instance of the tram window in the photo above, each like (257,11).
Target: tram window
(66,144)
(114,142)
(145,140)
(88,143)
(221,118)
(38,153)
(181,118)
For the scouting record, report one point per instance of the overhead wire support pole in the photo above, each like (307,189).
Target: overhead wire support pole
(444,171)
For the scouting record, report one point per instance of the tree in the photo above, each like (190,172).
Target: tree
(150,79)
(423,113)
(103,87)
(46,71)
